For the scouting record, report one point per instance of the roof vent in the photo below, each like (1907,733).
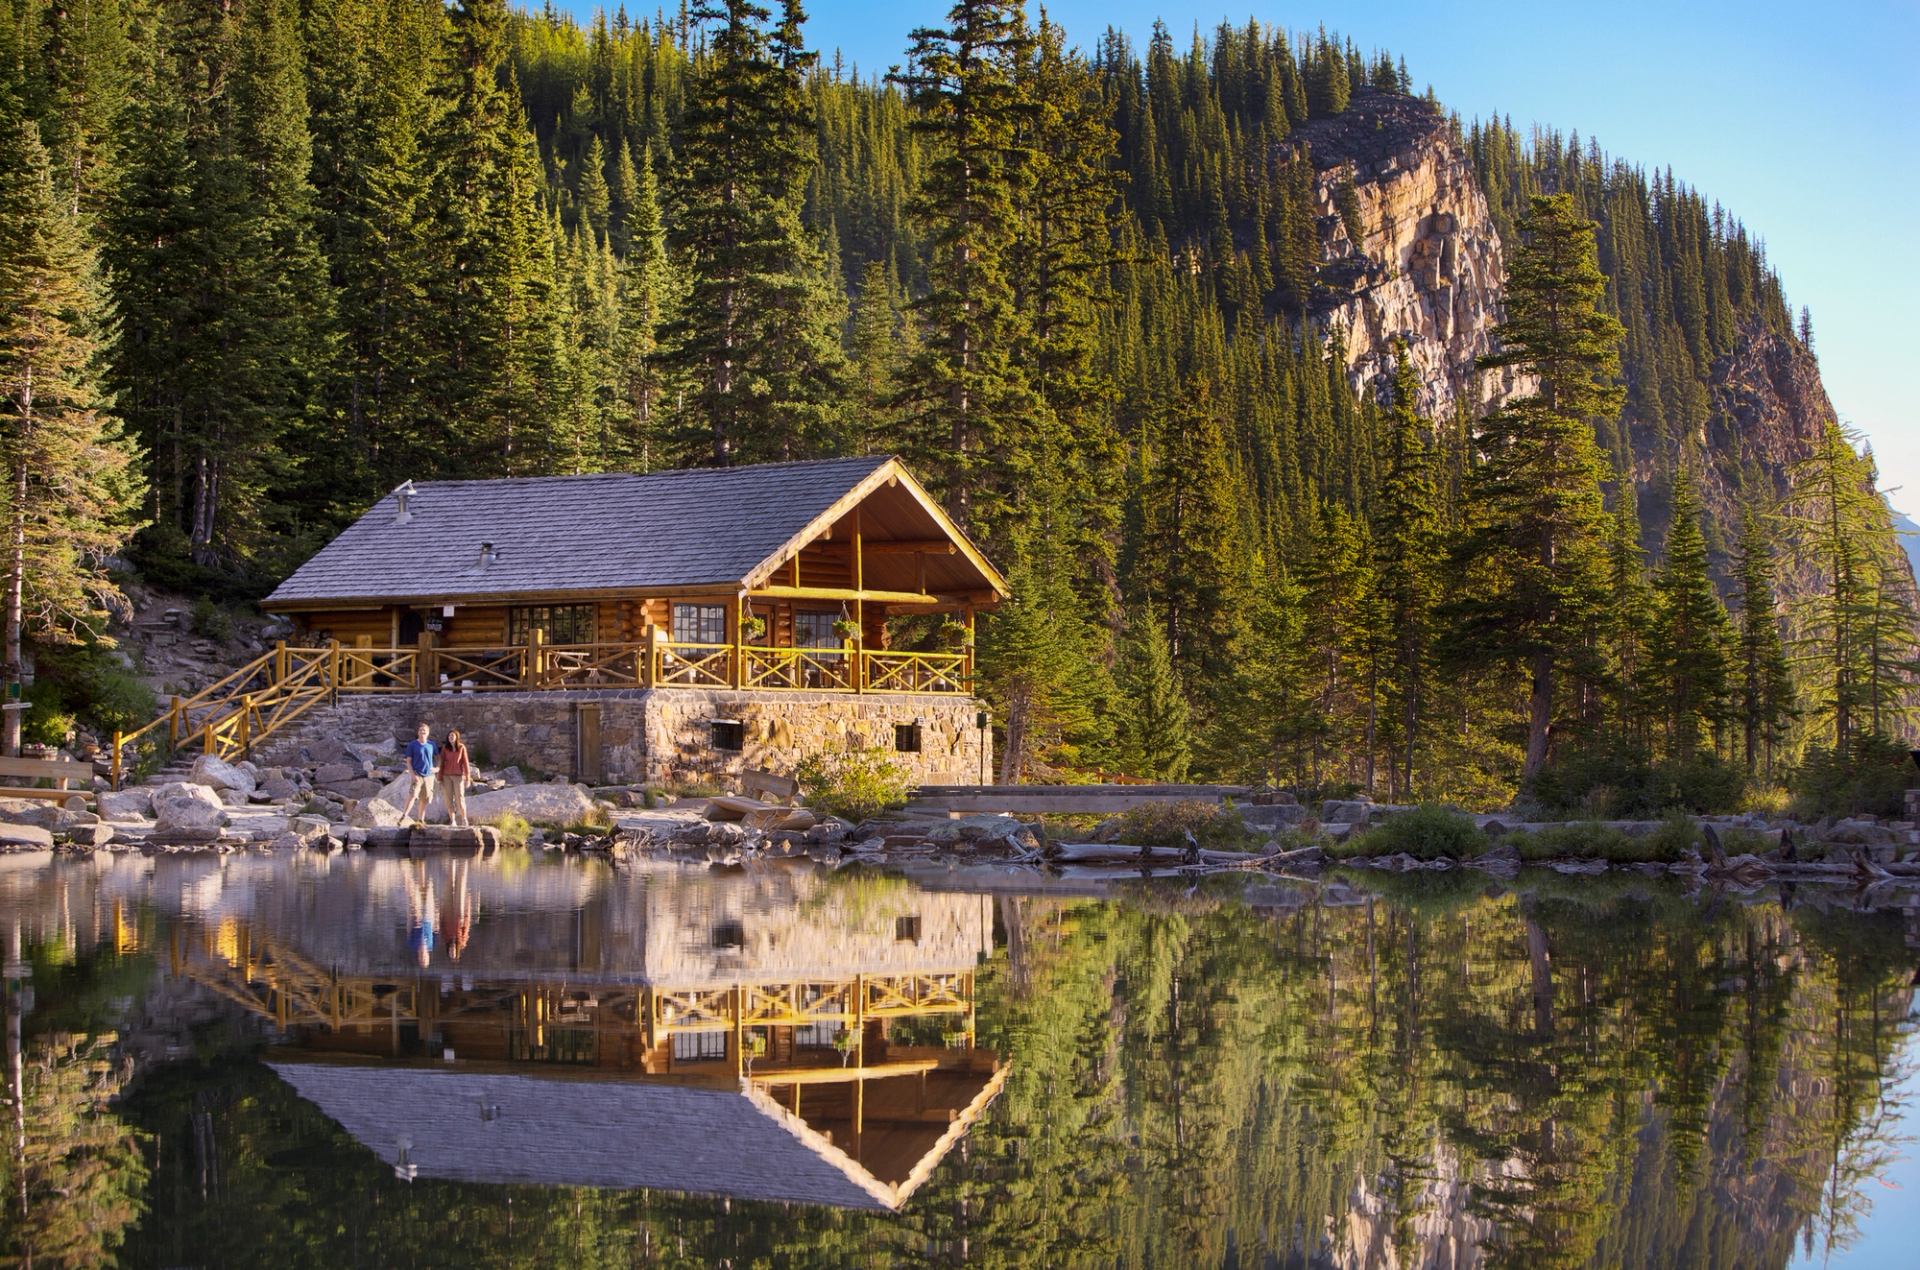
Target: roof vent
(487,554)
(404,493)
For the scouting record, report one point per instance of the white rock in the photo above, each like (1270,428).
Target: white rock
(24,837)
(126,804)
(374,813)
(209,769)
(555,804)
(185,808)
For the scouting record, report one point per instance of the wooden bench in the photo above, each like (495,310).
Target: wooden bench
(57,770)
(769,788)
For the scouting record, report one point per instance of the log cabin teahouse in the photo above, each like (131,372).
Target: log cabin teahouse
(677,625)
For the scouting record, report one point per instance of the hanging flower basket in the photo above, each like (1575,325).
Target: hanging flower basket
(752,626)
(846,628)
(955,635)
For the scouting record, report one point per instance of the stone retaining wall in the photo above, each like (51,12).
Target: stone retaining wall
(661,734)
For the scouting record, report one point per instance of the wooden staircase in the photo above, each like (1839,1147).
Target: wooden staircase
(229,715)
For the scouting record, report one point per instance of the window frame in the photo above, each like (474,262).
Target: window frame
(524,619)
(700,617)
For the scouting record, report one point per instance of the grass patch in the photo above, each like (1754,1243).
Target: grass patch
(1216,827)
(514,828)
(1590,840)
(1428,832)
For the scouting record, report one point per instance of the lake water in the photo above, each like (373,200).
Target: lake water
(368,1060)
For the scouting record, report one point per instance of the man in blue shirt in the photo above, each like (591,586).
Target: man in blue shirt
(422,758)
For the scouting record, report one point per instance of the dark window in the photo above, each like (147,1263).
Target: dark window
(699,623)
(906,738)
(815,630)
(729,735)
(692,1047)
(907,929)
(557,623)
(729,935)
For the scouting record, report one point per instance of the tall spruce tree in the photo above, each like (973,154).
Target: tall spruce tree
(752,336)
(968,407)
(1764,680)
(1155,740)
(1532,558)
(71,481)
(1689,649)
(1408,553)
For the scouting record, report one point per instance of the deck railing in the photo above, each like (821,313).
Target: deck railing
(273,690)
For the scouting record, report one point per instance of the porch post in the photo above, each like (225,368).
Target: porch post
(738,675)
(651,668)
(859,609)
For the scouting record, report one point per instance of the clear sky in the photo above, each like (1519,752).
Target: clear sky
(1801,118)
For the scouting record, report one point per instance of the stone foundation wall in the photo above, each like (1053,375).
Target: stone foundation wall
(661,734)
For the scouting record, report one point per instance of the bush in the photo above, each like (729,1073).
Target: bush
(211,621)
(1428,832)
(1624,783)
(852,784)
(1214,826)
(86,684)
(1870,779)
(1589,840)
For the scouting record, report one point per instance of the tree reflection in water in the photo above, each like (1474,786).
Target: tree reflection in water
(1565,1072)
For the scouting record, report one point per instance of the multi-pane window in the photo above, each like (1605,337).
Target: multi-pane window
(815,630)
(557,623)
(694,1047)
(699,623)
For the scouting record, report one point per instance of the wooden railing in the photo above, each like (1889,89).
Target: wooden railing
(270,692)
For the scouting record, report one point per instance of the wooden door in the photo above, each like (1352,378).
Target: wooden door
(586,743)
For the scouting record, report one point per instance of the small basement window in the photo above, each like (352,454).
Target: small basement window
(729,934)
(906,738)
(906,929)
(729,734)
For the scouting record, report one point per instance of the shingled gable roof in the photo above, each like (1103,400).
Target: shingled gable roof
(509,1128)
(555,535)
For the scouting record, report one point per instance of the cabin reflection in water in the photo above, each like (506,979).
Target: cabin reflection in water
(724,1036)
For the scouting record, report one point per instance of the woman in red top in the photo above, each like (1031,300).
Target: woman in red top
(456,773)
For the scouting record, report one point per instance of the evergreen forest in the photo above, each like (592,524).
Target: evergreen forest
(263,260)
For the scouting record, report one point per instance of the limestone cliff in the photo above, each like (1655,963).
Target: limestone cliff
(1427,266)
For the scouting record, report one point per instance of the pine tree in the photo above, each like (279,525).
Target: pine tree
(1408,554)
(648,294)
(966,399)
(1532,557)
(752,336)
(594,199)
(1764,685)
(1154,740)
(1689,648)
(71,482)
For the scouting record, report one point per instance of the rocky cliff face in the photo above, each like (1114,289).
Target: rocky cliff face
(1427,266)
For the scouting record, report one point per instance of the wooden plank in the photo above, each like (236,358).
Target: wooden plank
(844,593)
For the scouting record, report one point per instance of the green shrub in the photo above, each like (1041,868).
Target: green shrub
(853,784)
(513,827)
(211,620)
(1582,840)
(86,684)
(1677,835)
(1620,782)
(1213,826)
(1870,778)
(1428,832)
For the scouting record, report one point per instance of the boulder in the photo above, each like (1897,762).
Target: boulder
(189,810)
(374,813)
(308,828)
(339,773)
(1346,812)
(18,837)
(126,804)
(509,776)
(371,752)
(554,804)
(278,789)
(362,787)
(210,769)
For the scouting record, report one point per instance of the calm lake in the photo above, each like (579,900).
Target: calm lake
(369,1060)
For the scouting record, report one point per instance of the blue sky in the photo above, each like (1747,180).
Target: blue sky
(1802,119)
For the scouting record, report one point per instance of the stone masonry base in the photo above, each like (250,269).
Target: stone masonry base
(665,734)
